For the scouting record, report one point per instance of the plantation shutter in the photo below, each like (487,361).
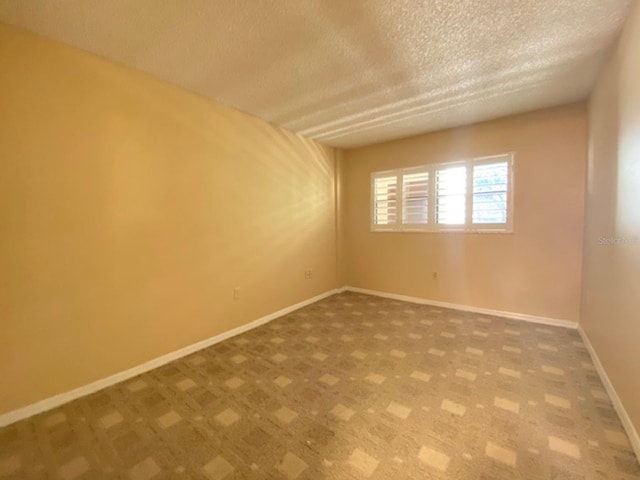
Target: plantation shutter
(385,200)
(415,198)
(451,187)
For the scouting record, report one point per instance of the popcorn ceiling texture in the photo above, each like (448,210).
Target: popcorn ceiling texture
(349,73)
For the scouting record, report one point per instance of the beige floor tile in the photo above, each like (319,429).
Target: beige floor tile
(422,376)
(506,404)
(282,381)
(474,351)
(398,410)
(557,401)
(453,407)
(196,360)
(227,417)
(375,378)
(285,415)
(363,462)
(501,454)
(510,349)
(169,419)
(434,458)
(145,470)
(238,359)
(185,384)
(509,372)
(552,370)
(234,383)
(218,468)
(329,379)
(111,419)
(279,358)
(466,375)
(342,412)
(291,466)
(563,446)
(74,468)
(136,385)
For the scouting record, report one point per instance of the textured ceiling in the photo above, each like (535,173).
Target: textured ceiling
(349,72)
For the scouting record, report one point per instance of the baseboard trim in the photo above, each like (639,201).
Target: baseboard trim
(65,397)
(467,308)
(632,433)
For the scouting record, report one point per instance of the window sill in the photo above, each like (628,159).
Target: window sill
(419,230)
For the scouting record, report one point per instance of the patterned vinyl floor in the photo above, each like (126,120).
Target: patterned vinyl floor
(350,387)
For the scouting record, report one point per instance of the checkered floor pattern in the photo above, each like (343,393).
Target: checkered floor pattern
(350,387)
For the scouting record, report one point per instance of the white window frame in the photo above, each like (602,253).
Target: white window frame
(432,225)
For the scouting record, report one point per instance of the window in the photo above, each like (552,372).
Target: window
(415,198)
(451,188)
(385,201)
(472,195)
(490,190)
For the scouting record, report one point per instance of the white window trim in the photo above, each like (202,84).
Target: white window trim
(432,226)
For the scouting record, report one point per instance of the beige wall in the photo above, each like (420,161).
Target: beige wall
(536,270)
(611,281)
(130,210)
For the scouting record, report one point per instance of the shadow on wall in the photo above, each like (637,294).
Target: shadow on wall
(134,211)
(257,179)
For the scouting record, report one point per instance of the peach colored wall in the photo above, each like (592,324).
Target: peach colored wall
(535,270)
(611,280)
(130,209)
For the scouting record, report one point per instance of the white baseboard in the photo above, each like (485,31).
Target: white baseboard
(632,433)
(467,308)
(62,398)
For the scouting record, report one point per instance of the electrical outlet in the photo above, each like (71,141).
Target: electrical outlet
(307,274)
(434,275)
(236,293)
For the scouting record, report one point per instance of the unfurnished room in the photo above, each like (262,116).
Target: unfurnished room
(320,239)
